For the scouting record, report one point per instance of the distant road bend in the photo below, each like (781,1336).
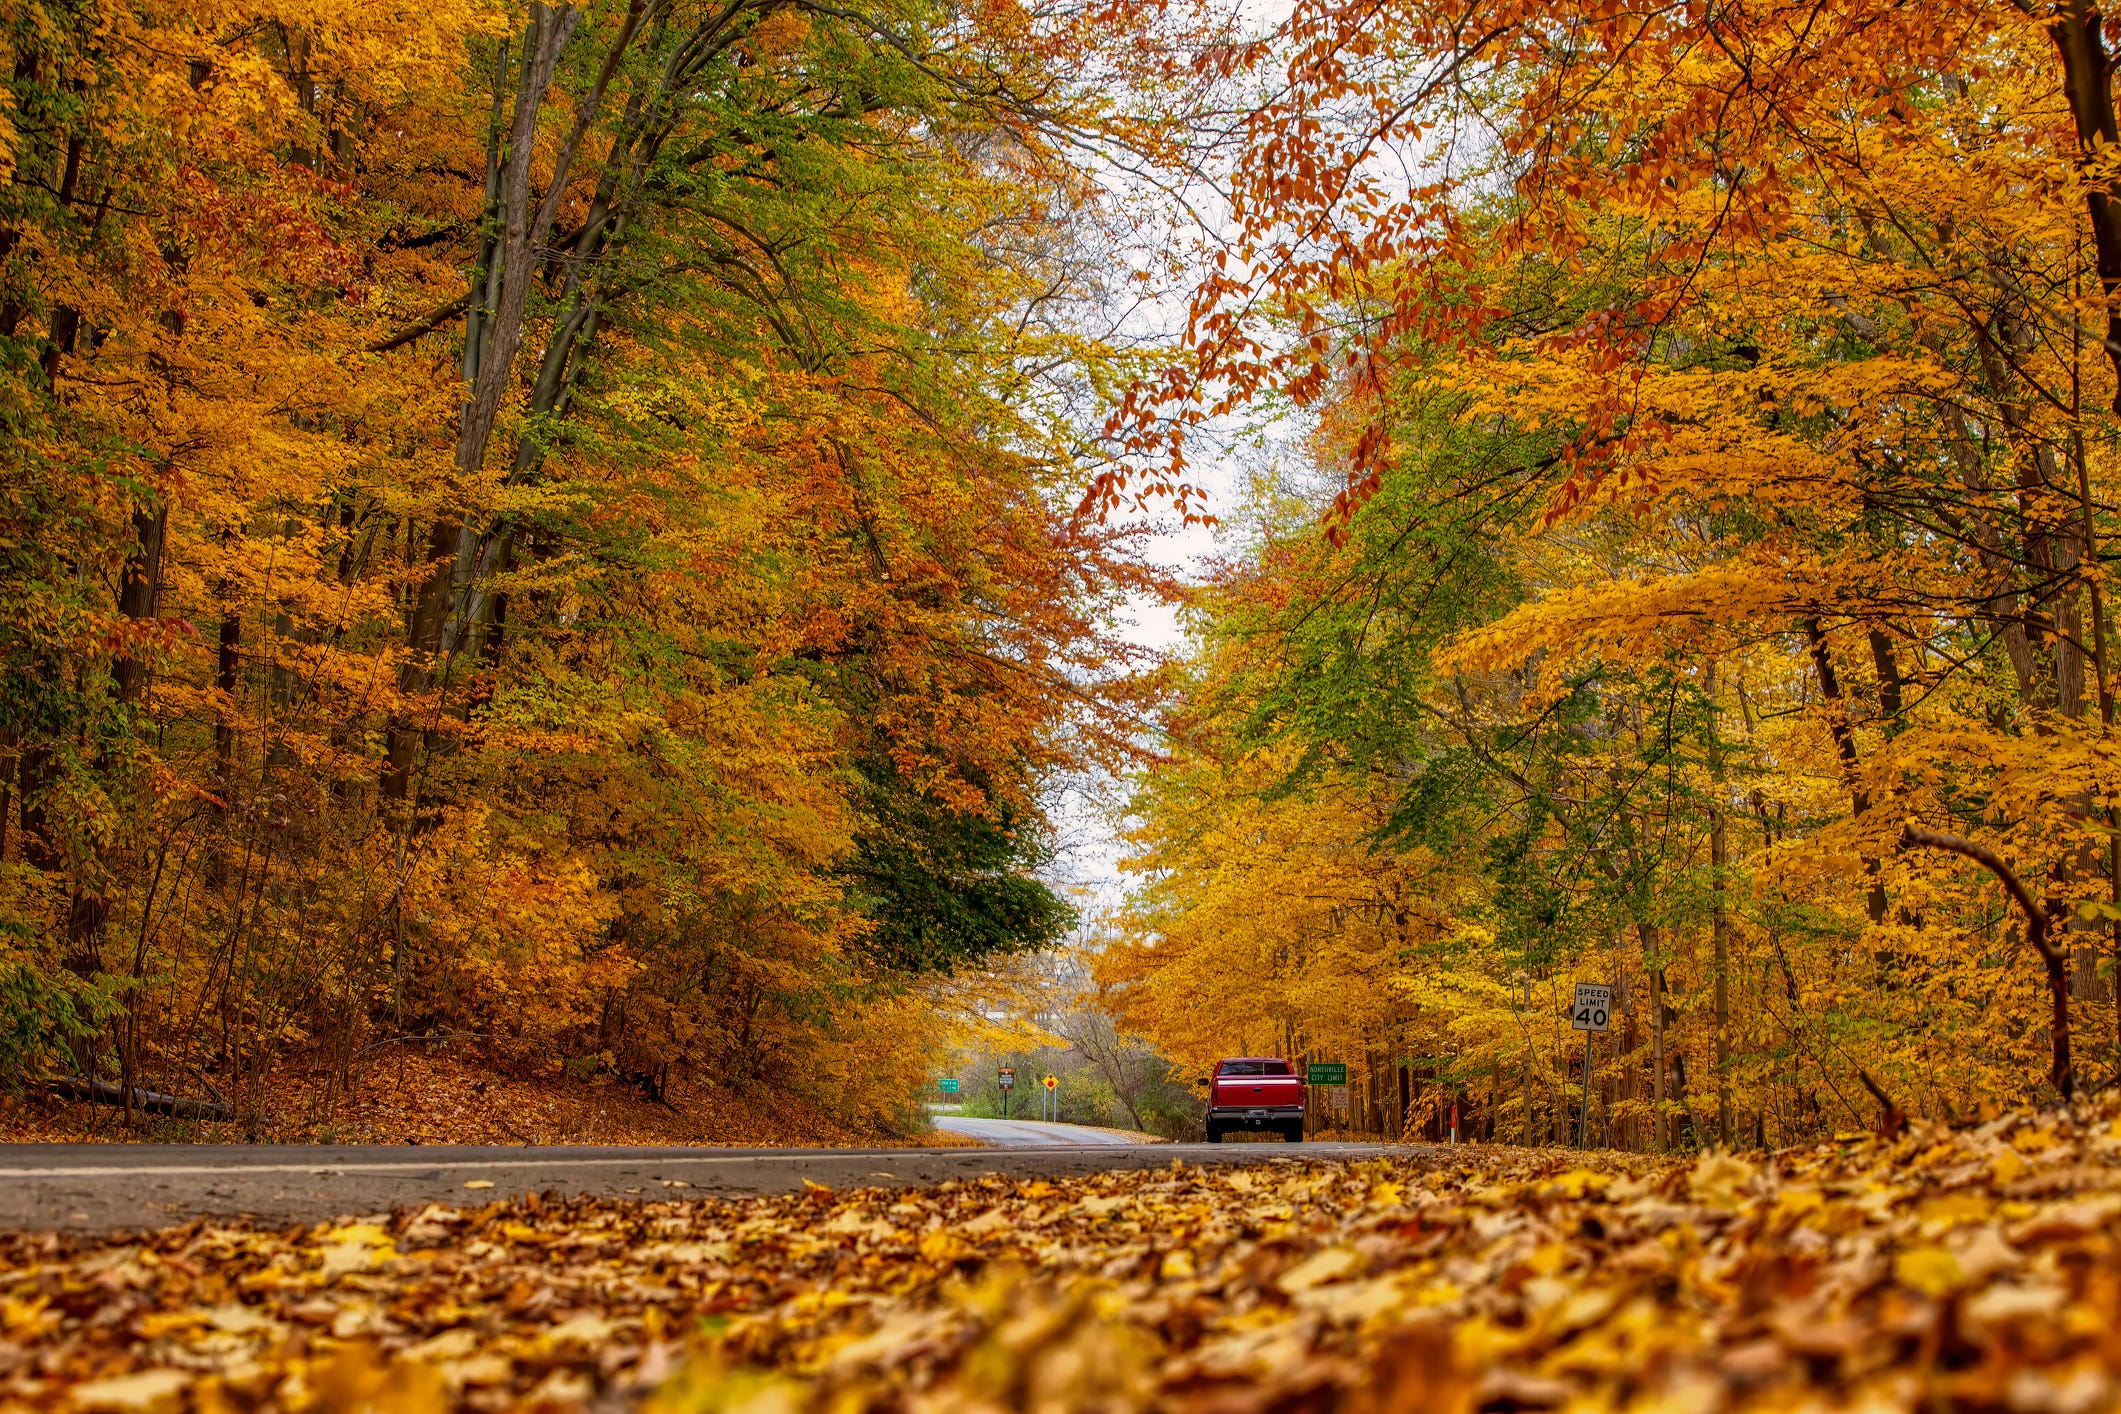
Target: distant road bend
(108,1187)
(1037,1133)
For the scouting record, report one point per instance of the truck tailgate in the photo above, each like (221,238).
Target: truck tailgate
(1256,1091)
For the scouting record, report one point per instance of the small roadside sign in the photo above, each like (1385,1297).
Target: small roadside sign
(948,1085)
(1326,1073)
(1340,1097)
(1006,1078)
(1593,1008)
(1051,1082)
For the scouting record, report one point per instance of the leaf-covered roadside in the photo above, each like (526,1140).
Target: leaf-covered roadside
(1975,1269)
(442,1099)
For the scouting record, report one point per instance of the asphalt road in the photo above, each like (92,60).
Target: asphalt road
(1032,1133)
(112,1187)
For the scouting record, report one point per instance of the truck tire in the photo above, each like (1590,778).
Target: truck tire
(1215,1133)
(1293,1133)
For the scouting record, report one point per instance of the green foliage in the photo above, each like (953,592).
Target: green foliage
(945,888)
(44,1013)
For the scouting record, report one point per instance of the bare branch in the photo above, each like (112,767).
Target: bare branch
(426,326)
(2038,924)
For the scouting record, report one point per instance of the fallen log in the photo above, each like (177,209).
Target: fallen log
(103,1092)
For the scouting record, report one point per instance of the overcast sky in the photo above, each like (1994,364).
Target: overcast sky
(1086,868)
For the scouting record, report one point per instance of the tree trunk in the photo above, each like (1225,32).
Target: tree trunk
(1719,863)
(140,592)
(1632,1132)
(494,329)
(226,663)
(1844,735)
(36,768)
(1528,1094)
(2080,44)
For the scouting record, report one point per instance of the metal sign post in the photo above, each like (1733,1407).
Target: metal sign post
(1591,1012)
(1527,1065)
(1583,1126)
(1325,1073)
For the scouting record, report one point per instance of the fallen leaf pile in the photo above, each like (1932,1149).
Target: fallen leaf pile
(1969,1270)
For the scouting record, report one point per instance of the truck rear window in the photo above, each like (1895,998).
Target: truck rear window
(1253,1067)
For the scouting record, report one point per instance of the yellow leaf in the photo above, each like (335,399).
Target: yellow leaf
(1796,1202)
(144,1389)
(1353,1302)
(358,1379)
(31,1316)
(1577,1182)
(358,1247)
(1549,1258)
(481,1370)
(1719,1178)
(1954,1209)
(992,1221)
(2005,1304)
(942,1245)
(582,1328)
(1319,1268)
(449,1345)
(1929,1270)
(158,1323)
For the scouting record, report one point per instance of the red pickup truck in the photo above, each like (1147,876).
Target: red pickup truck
(1251,1092)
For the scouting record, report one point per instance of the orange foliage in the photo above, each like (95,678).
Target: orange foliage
(548,522)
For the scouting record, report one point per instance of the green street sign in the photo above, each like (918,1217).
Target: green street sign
(948,1086)
(1327,1073)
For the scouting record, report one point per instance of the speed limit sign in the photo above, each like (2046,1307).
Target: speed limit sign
(1593,1009)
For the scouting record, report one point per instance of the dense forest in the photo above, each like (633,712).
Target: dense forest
(553,525)
(1691,579)
(594,530)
